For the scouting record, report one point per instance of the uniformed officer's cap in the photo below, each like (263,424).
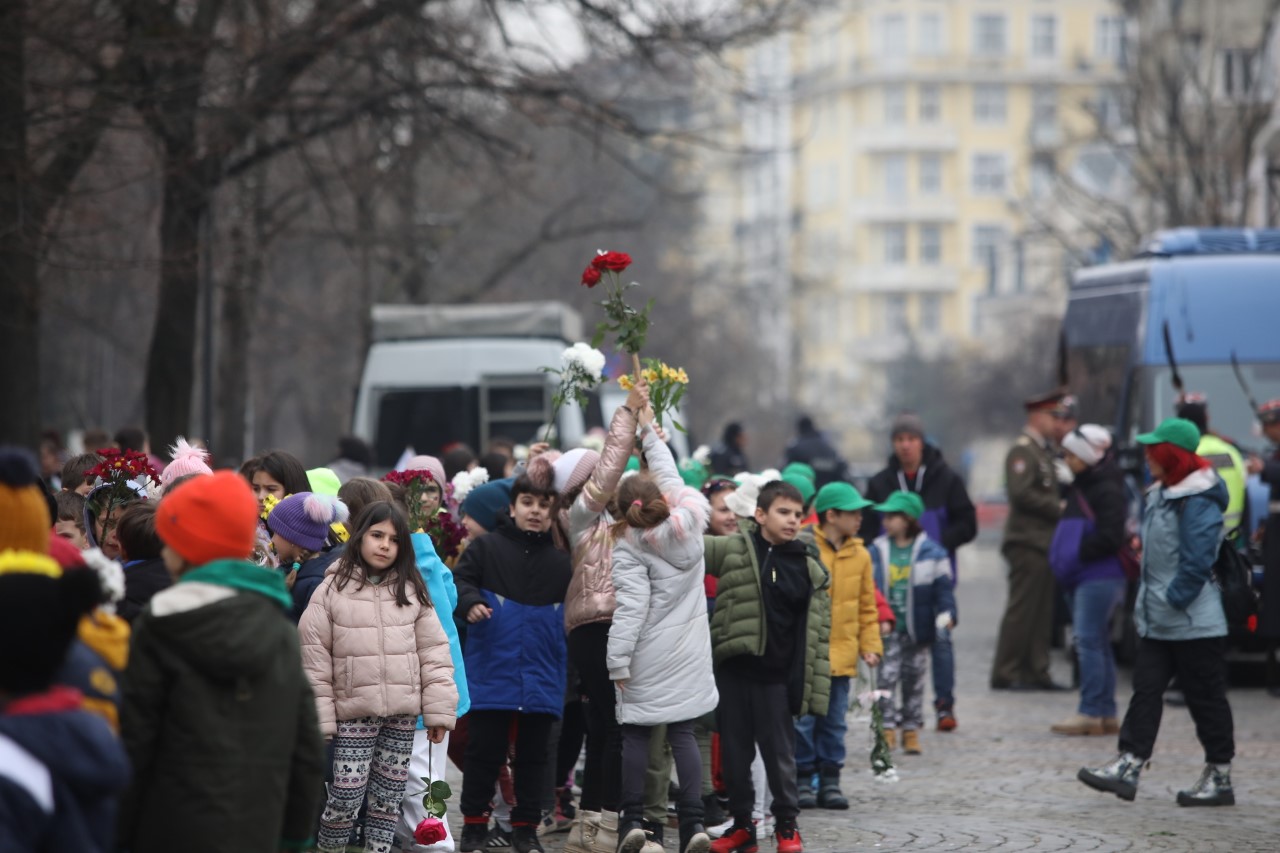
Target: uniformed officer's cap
(1269,412)
(1045,402)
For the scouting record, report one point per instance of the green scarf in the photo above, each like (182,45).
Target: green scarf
(241,574)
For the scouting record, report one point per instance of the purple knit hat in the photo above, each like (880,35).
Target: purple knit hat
(304,518)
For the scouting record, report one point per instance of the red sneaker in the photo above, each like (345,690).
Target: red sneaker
(739,839)
(789,840)
(946,720)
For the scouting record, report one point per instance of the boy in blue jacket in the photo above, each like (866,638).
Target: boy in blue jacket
(511,586)
(914,574)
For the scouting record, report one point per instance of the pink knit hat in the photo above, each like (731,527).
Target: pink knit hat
(428,463)
(187,459)
(574,468)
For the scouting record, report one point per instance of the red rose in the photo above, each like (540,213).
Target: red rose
(429,831)
(612,261)
(590,277)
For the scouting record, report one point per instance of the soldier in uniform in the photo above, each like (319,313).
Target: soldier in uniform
(1269,470)
(1022,649)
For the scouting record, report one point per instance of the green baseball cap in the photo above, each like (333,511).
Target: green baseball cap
(1177,431)
(803,485)
(842,497)
(693,472)
(803,469)
(907,503)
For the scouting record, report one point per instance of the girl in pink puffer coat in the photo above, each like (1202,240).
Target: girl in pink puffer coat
(377,658)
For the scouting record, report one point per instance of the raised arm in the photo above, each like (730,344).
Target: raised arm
(662,465)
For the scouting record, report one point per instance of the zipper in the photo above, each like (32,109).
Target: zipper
(382,641)
(768,561)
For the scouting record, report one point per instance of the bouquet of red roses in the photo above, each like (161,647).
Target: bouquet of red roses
(631,325)
(447,534)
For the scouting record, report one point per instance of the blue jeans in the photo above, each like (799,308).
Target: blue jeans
(820,740)
(1091,607)
(944,671)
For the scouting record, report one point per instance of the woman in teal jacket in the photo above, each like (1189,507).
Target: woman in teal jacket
(1181,625)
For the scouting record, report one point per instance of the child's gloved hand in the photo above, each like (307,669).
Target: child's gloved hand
(944,622)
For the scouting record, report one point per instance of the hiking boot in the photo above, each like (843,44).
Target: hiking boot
(829,793)
(653,829)
(1119,777)
(524,839)
(1079,725)
(788,838)
(946,720)
(740,838)
(631,836)
(807,797)
(1111,725)
(911,742)
(694,838)
(474,836)
(1212,789)
(607,834)
(582,835)
(891,739)
(712,814)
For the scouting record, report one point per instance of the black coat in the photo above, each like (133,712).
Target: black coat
(141,581)
(310,574)
(1269,619)
(525,567)
(1102,487)
(944,495)
(727,460)
(813,449)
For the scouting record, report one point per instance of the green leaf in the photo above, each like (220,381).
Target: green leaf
(679,426)
(436,809)
(597,338)
(440,790)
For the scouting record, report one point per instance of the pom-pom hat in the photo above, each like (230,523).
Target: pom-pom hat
(40,607)
(304,519)
(24,512)
(187,459)
(574,468)
(209,518)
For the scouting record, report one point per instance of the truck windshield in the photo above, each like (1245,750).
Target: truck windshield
(1229,413)
(425,419)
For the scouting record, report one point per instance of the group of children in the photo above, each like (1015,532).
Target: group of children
(659,612)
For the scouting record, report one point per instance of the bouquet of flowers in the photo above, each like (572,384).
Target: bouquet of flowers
(463,483)
(631,325)
(581,371)
(431,828)
(667,385)
(127,474)
(447,534)
(881,758)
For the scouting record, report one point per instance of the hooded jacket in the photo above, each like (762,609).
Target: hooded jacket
(310,576)
(1181,532)
(660,641)
(590,596)
(61,770)
(855,611)
(142,580)
(949,517)
(930,593)
(218,718)
(812,448)
(368,656)
(1087,549)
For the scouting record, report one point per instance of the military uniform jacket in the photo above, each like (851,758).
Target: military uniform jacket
(1032,487)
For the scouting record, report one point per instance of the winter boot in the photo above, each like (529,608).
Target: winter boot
(740,838)
(788,838)
(653,829)
(829,794)
(911,742)
(582,835)
(631,836)
(524,839)
(1212,789)
(694,838)
(891,739)
(946,717)
(607,834)
(712,814)
(473,838)
(804,788)
(1079,724)
(1119,777)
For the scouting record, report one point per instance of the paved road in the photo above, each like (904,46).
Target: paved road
(1001,781)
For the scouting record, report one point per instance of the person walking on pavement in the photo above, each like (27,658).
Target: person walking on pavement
(1022,647)
(1269,471)
(1181,625)
(812,447)
(949,519)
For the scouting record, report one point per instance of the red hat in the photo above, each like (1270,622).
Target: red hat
(209,518)
(1269,412)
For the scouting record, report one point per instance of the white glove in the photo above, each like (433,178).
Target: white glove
(943,621)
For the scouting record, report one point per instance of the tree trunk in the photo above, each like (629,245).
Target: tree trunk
(19,287)
(234,346)
(171,360)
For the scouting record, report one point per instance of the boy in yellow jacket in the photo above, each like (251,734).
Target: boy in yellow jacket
(855,632)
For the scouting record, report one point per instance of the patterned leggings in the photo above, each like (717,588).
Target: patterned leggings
(907,662)
(369,753)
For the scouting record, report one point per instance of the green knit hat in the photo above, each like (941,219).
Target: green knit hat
(693,472)
(323,481)
(1177,431)
(803,469)
(907,503)
(803,485)
(840,496)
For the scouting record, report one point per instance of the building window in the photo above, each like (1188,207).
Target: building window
(1044,108)
(988,243)
(1044,36)
(895,244)
(929,35)
(988,174)
(989,103)
(1238,69)
(1043,174)
(930,104)
(931,245)
(1109,38)
(893,37)
(895,104)
(895,176)
(931,313)
(895,314)
(930,174)
(989,35)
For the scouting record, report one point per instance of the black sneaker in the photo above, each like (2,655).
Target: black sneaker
(498,838)
(525,839)
(631,836)
(694,838)
(474,837)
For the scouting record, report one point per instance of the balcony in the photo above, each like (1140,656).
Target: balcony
(916,208)
(903,278)
(905,137)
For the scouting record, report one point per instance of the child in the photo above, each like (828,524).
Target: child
(70,522)
(74,473)
(188,461)
(299,527)
(275,474)
(659,653)
(377,657)
(770,634)
(217,715)
(914,573)
(144,571)
(855,633)
(511,585)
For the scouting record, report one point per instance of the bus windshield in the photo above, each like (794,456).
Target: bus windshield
(1229,413)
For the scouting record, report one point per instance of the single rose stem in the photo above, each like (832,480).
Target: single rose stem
(635,364)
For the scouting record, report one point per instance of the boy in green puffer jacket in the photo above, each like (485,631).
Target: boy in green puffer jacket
(769,637)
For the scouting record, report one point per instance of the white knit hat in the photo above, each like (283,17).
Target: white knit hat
(573,468)
(1089,443)
(742,500)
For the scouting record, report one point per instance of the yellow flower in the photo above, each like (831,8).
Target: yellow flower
(669,374)
(650,375)
(682,377)
(624,381)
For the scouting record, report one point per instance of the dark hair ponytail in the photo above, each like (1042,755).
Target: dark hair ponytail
(640,504)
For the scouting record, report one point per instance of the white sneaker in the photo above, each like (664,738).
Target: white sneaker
(720,829)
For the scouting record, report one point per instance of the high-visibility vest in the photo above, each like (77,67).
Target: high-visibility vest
(1226,460)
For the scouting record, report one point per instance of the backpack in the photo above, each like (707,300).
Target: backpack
(1233,577)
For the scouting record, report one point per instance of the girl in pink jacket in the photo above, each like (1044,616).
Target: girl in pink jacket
(377,657)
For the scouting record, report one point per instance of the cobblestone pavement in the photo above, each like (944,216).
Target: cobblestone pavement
(1001,781)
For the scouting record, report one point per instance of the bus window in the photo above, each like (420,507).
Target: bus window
(1097,375)
(425,419)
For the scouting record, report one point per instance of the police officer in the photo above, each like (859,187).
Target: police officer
(1022,648)
(1269,471)
(1222,454)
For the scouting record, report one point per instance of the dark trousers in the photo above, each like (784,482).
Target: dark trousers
(636,764)
(487,752)
(1202,671)
(754,714)
(602,771)
(1022,648)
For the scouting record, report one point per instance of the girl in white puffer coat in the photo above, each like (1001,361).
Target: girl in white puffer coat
(377,658)
(659,653)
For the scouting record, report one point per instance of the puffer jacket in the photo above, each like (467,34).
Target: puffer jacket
(1181,531)
(931,592)
(738,624)
(590,598)
(1086,545)
(855,616)
(660,640)
(366,656)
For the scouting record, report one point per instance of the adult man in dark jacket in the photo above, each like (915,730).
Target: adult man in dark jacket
(949,519)
(1269,471)
(729,457)
(811,447)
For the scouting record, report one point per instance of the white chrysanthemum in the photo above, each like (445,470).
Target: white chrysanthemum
(584,358)
(110,576)
(464,481)
(703,455)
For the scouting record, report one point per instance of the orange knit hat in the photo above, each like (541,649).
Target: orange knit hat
(209,518)
(24,511)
